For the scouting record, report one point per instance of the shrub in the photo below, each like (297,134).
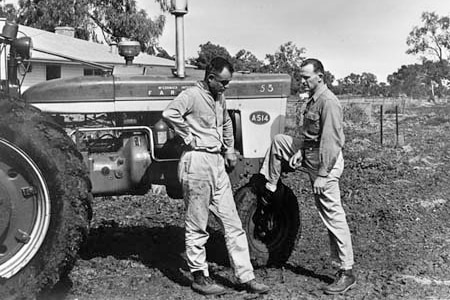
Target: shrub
(356,114)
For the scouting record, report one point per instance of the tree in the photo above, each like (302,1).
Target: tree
(408,80)
(328,78)
(246,61)
(369,84)
(8,11)
(350,84)
(117,19)
(427,80)
(384,89)
(434,76)
(207,52)
(432,38)
(48,14)
(364,84)
(287,59)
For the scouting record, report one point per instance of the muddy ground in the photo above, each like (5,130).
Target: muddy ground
(397,201)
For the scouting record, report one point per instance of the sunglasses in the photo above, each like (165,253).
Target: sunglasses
(222,82)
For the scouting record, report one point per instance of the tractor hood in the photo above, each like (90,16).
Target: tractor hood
(112,93)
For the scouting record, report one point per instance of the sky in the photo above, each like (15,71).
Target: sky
(348,36)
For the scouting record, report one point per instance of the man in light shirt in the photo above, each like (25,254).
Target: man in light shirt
(199,116)
(319,153)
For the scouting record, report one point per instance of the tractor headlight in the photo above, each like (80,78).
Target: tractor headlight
(23,47)
(129,50)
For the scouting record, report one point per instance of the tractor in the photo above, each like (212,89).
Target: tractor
(65,141)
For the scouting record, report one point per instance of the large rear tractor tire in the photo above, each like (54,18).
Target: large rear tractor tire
(273,231)
(44,201)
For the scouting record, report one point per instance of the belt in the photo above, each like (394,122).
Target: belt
(207,151)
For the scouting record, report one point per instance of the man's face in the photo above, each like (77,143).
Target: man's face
(218,83)
(310,79)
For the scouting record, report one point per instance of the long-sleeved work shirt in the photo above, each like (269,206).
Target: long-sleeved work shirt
(323,126)
(195,115)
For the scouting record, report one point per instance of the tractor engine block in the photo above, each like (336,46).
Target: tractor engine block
(117,160)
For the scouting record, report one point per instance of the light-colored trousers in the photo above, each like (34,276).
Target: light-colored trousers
(206,186)
(328,203)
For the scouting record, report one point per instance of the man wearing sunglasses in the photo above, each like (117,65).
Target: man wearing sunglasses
(199,116)
(319,153)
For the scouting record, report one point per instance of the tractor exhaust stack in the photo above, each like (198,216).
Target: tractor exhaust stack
(179,8)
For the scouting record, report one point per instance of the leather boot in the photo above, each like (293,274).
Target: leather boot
(254,287)
(344,281)
(205,285)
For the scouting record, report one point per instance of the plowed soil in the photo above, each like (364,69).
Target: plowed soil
(397,200)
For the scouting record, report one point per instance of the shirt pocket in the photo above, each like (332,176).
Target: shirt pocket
(312,122)
(207,121)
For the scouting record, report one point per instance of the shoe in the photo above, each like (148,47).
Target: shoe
(344,281)
(263,195)
(254,287)
(266,197)
(205,285)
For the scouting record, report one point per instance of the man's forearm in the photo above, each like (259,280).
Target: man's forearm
(228,137)
(327,158)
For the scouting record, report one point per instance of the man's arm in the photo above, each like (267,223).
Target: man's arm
(228,137)
(174,114)
(331,141)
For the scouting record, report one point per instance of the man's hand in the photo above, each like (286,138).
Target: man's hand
(319,184)
(230,160)
(296,160)
(191,145)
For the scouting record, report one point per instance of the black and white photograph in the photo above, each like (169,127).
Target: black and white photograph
(207,149)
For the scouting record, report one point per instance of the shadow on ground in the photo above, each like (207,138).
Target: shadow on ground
(156,247)
(309,273)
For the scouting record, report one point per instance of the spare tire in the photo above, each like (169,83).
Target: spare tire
(45,201)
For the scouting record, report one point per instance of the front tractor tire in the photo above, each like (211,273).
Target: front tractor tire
(272,232)
(44,202)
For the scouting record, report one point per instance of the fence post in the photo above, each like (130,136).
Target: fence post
(396,125)
(381,124)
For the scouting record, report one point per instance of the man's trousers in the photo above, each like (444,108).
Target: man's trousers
(328,203)
(206,186)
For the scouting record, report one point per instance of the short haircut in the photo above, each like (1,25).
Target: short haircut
(216,66)
(317,65)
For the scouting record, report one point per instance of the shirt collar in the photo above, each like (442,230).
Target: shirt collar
(202,84)
(319,92)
